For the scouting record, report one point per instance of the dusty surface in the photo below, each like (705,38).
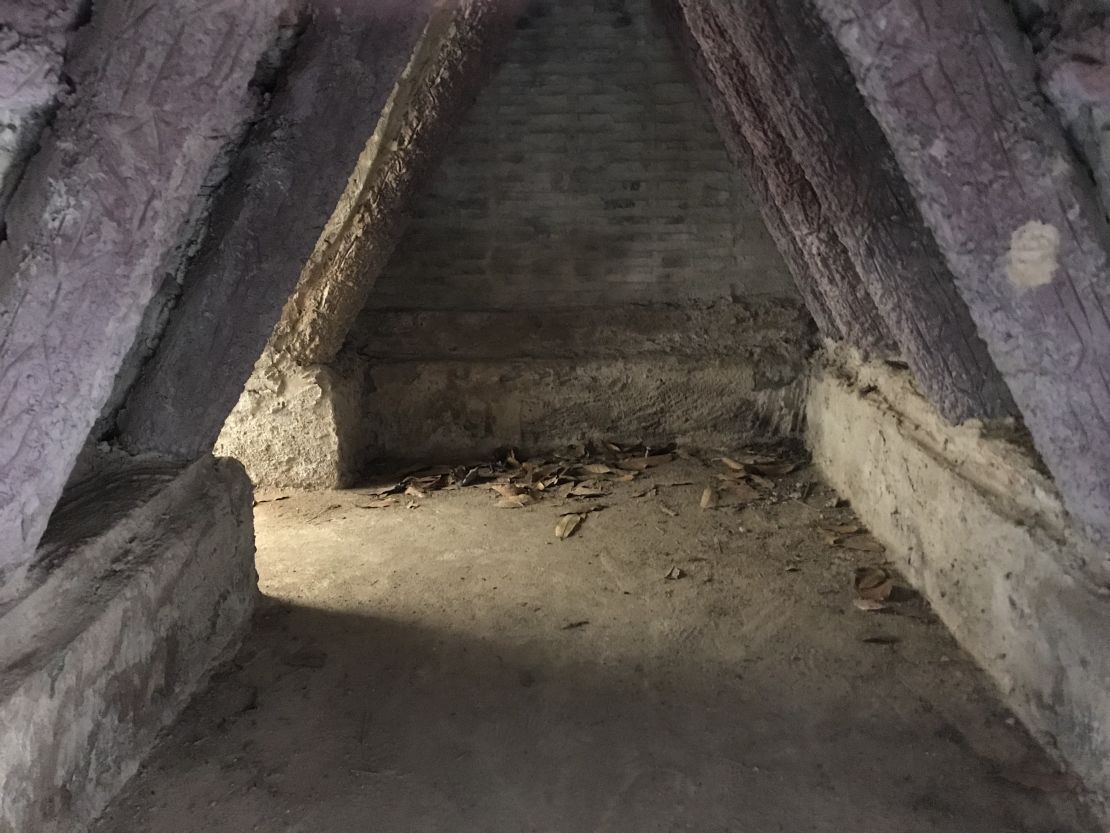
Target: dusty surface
(455,667)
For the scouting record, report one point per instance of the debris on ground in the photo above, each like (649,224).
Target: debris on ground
(568,525)
(873,584)
(862,543)
(584,473)
(384,503)
(1042,780)
(709,498)
(675,573)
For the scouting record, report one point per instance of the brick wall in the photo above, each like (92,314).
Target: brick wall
(587,173)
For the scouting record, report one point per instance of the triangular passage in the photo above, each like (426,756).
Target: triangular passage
(586,260)
(587,173)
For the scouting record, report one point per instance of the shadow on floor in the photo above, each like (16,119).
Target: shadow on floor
(329,721)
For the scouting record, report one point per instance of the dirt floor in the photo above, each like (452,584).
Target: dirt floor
(455,667)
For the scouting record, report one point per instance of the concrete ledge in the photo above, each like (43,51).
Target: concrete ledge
(456,410)
(975,525)
(145,581)
(293,425)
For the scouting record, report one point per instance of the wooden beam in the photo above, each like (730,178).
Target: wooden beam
(94,222)
(823,272)
(280,192)
(953,85)
(810,95)
(455,58)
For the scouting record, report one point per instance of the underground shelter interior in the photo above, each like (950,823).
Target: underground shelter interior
(554,416)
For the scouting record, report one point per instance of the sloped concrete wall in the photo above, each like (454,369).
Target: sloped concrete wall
(975,524)
(145,581)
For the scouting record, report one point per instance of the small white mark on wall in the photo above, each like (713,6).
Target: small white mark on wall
(1034,255)
(938,150)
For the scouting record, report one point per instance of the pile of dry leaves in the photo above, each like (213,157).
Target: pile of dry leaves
(583,475)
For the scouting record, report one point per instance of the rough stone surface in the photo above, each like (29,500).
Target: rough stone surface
(954,87)
(32,48)
(97,212)
(586,173)
(147,581)
(983,534)
(453,59)
(294,425)
(280,192)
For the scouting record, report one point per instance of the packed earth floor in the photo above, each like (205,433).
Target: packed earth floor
(700,647)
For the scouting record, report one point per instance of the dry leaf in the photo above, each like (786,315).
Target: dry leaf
(841,529)
(568,525)
(881,639)
(644,463)
(675,573)
(667,510)
(868,605)
(652,492)
(735,465)
(584,510)
(860,543)
(742,490)
(595,468)
(514,502)
(708,498)
(377,504)
(1046,782)
(773,469)
(762,481)
(873,584)
(587,489)
(382,491)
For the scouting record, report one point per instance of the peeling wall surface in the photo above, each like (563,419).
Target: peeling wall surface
(981,531)
(587,172)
